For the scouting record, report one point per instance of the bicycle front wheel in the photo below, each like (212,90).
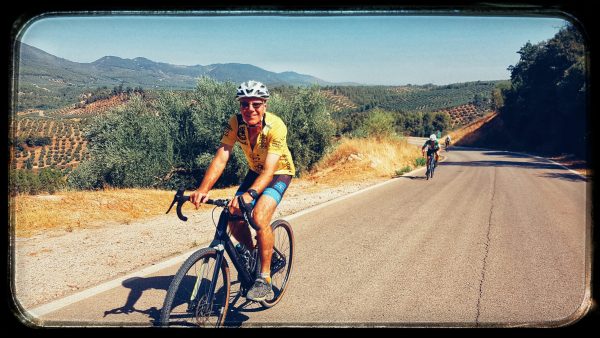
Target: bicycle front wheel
(281,261)
(189,301)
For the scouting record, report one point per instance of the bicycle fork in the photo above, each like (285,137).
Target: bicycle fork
(213,282)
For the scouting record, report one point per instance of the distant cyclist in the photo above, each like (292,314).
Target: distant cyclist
(447,141)
(432,146)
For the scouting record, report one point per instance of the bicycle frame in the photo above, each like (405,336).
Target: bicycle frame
(222,242)
(430,165)
(431,160)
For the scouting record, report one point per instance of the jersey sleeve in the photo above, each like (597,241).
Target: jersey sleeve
(278,139)
(229,133)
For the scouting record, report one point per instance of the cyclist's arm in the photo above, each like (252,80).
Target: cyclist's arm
(261,182)
(215,169)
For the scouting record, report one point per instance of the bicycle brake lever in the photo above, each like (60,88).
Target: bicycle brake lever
(180,199)
(180,202)
(247,213)
(172,204)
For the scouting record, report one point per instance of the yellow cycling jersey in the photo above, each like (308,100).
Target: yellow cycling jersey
(272,139)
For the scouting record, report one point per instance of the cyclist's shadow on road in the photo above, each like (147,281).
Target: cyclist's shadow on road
(411,177)
(138,285)
(237,304)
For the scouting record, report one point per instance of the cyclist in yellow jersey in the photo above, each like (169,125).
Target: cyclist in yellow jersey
(270,140)
(262,137)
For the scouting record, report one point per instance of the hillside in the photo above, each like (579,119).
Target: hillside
(49,82)
(44,142)
(462,103)
(411,98)
(54,139)
(338,102)
(464,114)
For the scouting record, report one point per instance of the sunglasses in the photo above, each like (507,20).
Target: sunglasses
(255,105)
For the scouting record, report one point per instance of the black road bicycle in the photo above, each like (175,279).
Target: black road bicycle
(431,166)
(199,294)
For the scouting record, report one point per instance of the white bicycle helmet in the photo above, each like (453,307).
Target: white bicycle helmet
(252,89)
(432,137)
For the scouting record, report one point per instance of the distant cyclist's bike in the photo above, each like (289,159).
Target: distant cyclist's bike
(199,294)
(431,166)
(447,145)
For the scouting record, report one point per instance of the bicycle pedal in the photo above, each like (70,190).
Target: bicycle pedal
(276,268)
(192,305)
(277,263)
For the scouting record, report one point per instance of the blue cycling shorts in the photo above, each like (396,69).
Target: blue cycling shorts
(275,189)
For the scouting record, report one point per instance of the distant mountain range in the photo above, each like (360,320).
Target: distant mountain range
(40,69)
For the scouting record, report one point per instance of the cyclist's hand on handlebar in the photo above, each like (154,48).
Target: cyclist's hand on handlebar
(234,207)
(198,197)
(234,204)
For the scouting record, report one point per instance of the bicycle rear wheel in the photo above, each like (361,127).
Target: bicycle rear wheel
(188,301)
(281,261)
(428,171)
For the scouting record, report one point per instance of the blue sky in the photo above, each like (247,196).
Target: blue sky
(377,49)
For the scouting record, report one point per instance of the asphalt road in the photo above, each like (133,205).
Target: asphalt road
(493,239)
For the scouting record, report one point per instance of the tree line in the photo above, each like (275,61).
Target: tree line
(544,109)
(103,93)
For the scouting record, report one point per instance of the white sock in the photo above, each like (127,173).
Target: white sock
(266,276)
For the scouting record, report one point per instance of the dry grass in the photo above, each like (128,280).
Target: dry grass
(356,159)
(71,210)
(352,160)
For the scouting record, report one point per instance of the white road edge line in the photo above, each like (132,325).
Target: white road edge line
(558,164)
(63,302)
(60,303)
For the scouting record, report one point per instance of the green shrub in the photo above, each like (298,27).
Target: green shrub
(420,162)
(130,147)
(309,124)
(170,141)
(29,182)
(403,171)
(379,123)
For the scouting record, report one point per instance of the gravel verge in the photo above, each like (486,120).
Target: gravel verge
(58,263)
